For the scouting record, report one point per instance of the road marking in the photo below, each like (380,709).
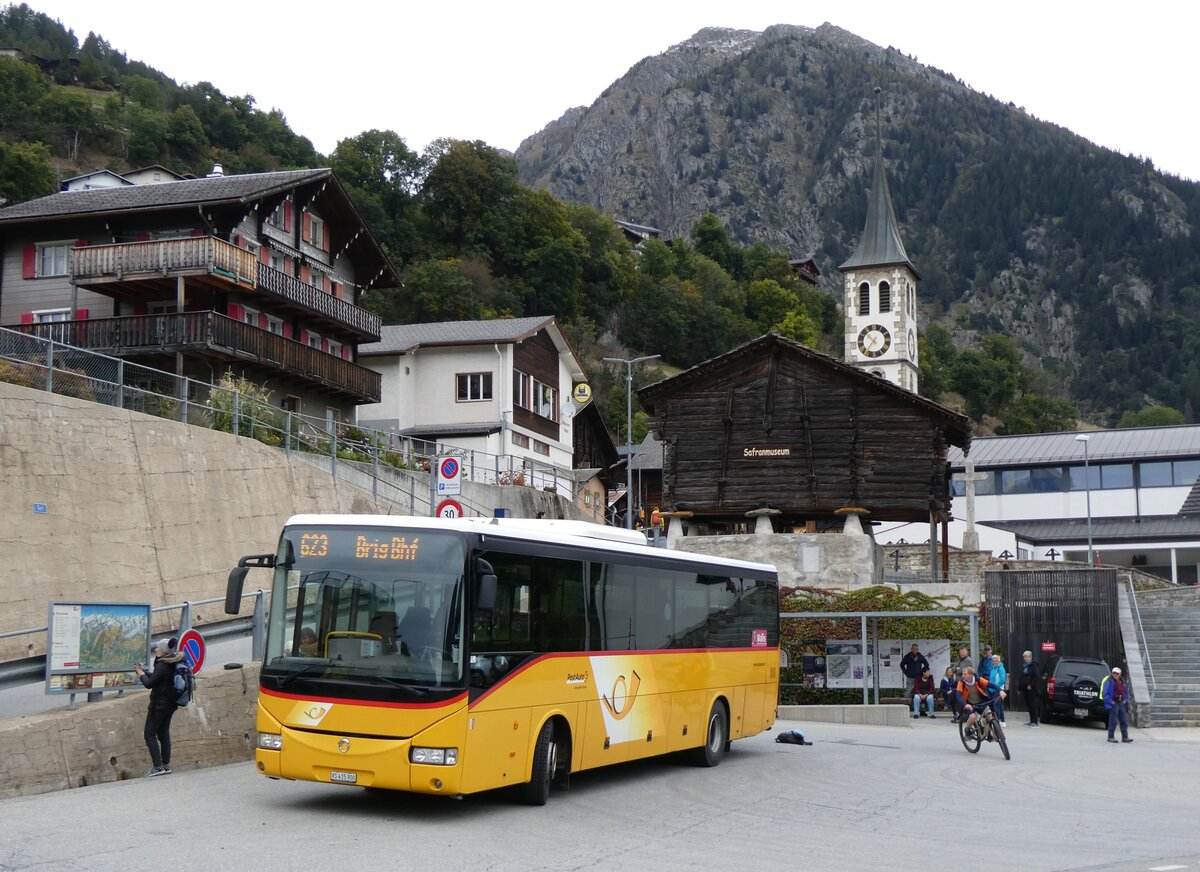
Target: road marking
(1165,868)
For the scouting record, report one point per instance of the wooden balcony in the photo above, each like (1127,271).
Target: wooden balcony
(143,271)
(213,336)
(189,256)
(271,281)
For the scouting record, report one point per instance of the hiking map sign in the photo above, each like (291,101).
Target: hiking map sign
(93,646)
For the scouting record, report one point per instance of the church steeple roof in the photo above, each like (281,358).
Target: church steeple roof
(880,244)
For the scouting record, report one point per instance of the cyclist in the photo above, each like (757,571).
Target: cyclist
(972,692)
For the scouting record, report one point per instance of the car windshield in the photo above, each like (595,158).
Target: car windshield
(367,607)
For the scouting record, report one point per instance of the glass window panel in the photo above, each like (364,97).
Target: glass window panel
(1049,480)
(1116,475)
(1016,481)
(1155,474)
(1077,478)
(1186,472)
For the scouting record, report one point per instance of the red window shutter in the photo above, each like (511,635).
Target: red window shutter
(140,309)
(29,265)
(287,330)
(196,231)
(26,317)
(236,311)
(345,352)
(325,242)
(81,314)
(239,241)
(262,321)
(82,243)
(335,288)
(305,274)
(303,337)
(287,214)
(141,237)
(325,345)
(306,227)
(289,267)
(264,256)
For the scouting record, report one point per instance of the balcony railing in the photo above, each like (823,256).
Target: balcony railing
(192,254)
(212,334)
(290,288)
(207,255)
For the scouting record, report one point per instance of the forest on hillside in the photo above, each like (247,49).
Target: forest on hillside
(471,241)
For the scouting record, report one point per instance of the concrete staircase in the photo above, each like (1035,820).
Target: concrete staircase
(1173,642)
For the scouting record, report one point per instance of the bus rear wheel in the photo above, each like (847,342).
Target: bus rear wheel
(545,763)
(715,739)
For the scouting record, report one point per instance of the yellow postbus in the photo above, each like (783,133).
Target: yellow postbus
(454,656)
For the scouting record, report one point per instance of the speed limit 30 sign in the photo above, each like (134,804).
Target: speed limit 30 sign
(449,509)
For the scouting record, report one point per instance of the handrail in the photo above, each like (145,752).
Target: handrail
(1141,631)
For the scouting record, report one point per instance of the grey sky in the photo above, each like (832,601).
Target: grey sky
(1114,73)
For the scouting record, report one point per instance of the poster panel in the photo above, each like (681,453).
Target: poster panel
(93,646)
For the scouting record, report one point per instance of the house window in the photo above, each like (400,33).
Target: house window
(162,308)
(314,340)
(335,348)
(864,299)
(885,297)
(317,233)
(520,440)
(587,499)
(277,260)
(52,259)
(290,404)
(474,386)
(250,316)
(541,447)
(537,397)
(51,316)
(274,325)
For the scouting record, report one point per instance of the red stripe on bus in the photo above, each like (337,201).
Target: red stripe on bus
(647,652)
(370,703)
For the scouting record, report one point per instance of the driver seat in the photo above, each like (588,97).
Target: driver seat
(383,625)
(416,630)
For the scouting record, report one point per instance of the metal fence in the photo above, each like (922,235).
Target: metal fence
(397,466)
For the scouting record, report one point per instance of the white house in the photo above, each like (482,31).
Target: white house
(1033,497)
(499,388)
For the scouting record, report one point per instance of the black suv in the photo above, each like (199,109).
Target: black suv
(1072,687)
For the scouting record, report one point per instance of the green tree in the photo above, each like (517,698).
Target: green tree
(22,87)
(988,378)
(1151,416)
(712,240)
(25,172)
(768,303)
(468,184)
(937,354)
(186,137)
(148,137)
(1037,413)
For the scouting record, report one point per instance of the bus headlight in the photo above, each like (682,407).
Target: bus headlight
(434,756)
(270,741)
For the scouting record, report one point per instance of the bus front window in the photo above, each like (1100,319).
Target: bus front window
(375,611)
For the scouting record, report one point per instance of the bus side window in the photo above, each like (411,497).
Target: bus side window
(612,601)
(691,613)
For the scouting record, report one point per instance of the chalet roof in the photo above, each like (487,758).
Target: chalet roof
(403,338)
(648,456)
(1136,443)
(958,429)
(1105,530)
(186,192)
(433,431)
(880,244)
(1191,506)
(642,230)
(102,172)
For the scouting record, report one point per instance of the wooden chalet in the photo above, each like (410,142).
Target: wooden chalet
(774,424)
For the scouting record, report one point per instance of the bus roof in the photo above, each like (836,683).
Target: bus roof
(581,534)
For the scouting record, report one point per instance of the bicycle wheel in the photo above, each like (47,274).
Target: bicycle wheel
(971,741)
(999,731)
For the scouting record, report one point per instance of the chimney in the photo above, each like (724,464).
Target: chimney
(217,172)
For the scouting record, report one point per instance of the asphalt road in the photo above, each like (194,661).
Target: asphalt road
(892,798)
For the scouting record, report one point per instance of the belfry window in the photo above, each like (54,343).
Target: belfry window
(864,299)
(885,297)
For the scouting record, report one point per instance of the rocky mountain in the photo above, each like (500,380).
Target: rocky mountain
(1090,260)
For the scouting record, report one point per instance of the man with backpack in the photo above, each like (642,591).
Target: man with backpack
(1116,699)
(165,697)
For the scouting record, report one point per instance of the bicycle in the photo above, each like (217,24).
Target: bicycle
(985,729)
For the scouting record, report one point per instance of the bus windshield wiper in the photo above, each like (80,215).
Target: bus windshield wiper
(307,669)
(395,682)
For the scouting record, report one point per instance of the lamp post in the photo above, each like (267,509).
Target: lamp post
(1087,486)
(629,428)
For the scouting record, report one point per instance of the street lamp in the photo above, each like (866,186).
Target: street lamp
(629,428)
(1087,486)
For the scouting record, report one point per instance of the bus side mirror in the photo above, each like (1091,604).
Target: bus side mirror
(237,578)
(485,586)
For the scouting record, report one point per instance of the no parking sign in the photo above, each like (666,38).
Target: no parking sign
(191,644)
(449,476)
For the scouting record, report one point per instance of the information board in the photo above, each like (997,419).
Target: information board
(93,646)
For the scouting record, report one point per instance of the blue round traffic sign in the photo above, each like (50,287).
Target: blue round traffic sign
(449,468)
(191,644)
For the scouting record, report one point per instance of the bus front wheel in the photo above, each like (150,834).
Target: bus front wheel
(715,739)
(545,762)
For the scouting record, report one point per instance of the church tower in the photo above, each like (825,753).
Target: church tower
(881,290)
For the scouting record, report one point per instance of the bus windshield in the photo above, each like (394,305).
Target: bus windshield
(367,612)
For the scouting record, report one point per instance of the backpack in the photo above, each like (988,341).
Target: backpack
(185,683)
(792,737)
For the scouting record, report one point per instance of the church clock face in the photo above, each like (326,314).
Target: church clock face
(912,346)
(874,340)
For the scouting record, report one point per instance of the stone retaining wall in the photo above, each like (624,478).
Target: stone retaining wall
(102,741)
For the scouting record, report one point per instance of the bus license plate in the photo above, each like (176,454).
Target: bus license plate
(343,777)
(1081,713)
